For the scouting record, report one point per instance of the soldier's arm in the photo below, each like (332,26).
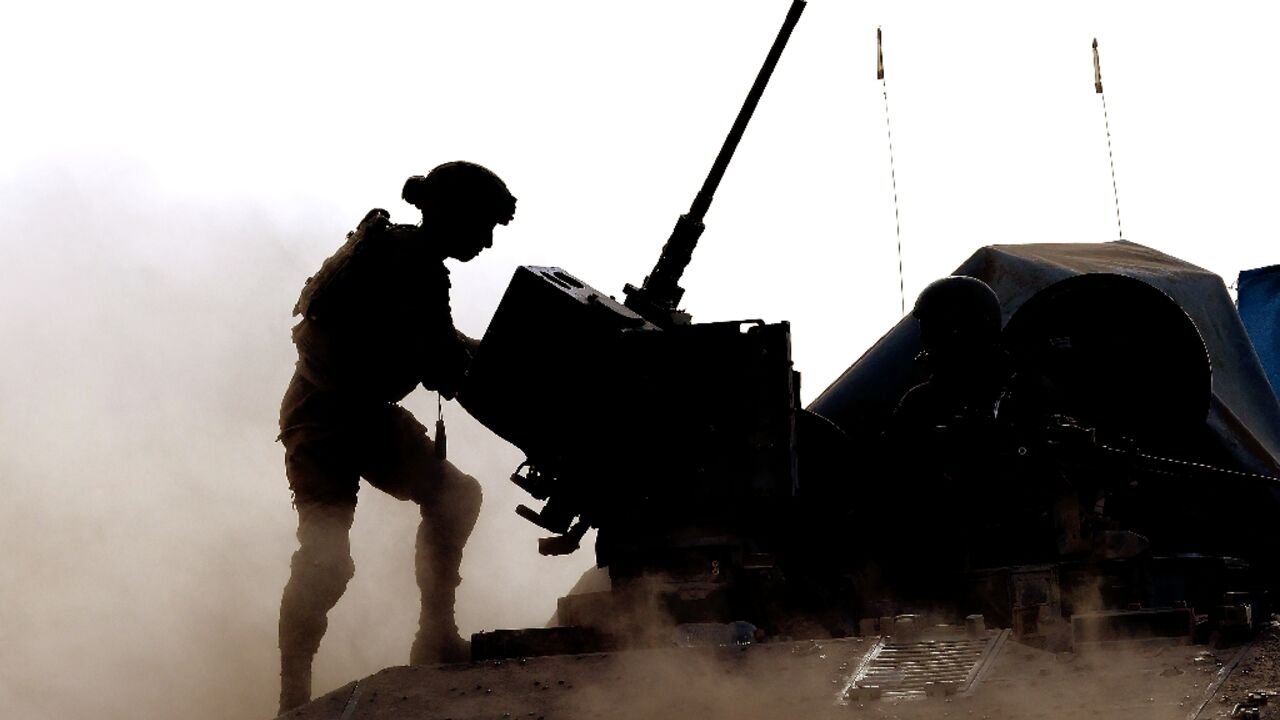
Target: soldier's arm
(449,351)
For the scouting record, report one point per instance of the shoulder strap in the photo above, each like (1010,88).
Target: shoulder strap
(373,226)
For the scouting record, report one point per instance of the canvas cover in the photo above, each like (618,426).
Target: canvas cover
(1243,417)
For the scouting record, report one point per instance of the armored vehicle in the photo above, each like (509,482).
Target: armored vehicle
(1085,522)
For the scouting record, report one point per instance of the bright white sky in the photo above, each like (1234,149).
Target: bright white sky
(605,117)
(171,164)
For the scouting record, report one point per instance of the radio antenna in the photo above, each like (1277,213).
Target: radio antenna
(1097,88)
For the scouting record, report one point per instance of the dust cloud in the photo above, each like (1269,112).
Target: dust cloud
(146,521)
(804,680)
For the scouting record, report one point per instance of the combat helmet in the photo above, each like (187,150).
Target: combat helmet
(957,310)
(461,188)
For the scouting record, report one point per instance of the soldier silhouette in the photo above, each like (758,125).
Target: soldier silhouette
(943,436)
(375,323)
(959,319)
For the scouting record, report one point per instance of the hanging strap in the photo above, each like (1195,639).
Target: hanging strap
(442,440)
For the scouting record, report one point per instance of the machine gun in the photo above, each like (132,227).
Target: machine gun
(657,298)
(675,440)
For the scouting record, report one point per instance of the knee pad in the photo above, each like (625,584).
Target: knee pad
(321,574)
(322,565)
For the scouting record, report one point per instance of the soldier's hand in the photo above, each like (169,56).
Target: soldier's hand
(470,344)
(449,391)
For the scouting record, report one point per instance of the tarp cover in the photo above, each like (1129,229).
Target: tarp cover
(1244,415)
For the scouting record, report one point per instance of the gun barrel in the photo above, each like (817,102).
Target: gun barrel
(658,296)
(703,200)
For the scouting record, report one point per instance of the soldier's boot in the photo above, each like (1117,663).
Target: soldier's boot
(438,640)
(319,572)
(295,681)
(446,524)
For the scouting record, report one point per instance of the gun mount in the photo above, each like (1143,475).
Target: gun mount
(675,443)
(676,440)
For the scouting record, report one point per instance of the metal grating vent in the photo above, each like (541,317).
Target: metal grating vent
(922,667)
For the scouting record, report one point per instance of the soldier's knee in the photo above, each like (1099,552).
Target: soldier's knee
(458,493)
(462,506)
(468,496)
(322,564)
(325,570)
(451,514)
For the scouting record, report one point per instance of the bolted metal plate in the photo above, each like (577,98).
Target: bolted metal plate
(923,667)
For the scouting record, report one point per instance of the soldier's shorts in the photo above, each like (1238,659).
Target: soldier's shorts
(330,444)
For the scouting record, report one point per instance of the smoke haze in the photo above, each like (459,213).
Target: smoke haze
(147,518)
(144,303)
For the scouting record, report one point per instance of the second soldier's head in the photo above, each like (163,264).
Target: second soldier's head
(461,203)
(958,316)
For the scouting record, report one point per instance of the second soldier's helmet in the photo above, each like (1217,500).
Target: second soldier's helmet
(957,310)
(461,188)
